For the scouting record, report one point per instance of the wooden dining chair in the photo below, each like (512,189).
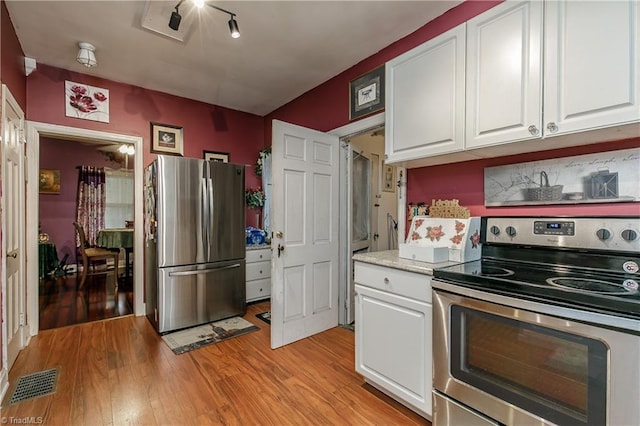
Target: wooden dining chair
(92,254)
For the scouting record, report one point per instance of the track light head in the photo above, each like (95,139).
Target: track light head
(174,21)
(233,27)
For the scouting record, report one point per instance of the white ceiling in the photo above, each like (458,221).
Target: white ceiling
(286,48)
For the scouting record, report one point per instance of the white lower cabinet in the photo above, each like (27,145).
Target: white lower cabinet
(258,274)
(393,333)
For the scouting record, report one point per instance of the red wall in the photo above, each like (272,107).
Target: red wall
(206,127)
(465,182)
(11,59)
(58,211)
(326,107)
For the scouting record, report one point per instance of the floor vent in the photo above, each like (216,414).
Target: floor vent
(35,385)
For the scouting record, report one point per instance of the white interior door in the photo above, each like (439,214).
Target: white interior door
(13,229)
(305,214)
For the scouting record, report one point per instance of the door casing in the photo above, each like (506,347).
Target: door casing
(34,131)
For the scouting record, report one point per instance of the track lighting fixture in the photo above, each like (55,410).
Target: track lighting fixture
(174,21)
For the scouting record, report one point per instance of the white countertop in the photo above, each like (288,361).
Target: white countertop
(391,259)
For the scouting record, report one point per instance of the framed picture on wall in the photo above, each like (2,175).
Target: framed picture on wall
(49,181)
(166,139)
(223,157)
(366,94)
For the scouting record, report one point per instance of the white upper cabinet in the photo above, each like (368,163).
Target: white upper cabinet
(591,77)
(539,75)
(504,78)
(425,99)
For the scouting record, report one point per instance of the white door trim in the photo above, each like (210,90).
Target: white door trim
(34,131)
(359,126)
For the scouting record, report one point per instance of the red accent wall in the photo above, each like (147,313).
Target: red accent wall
(58,211)
(465,182)
(206,126)
(326,107)
(12,59)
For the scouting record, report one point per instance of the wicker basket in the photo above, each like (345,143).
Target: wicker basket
(544,192)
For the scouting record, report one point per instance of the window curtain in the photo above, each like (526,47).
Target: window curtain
(360,212)
(91,202)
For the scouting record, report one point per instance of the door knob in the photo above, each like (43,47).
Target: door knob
(13,255)
(279,234)
(280,249)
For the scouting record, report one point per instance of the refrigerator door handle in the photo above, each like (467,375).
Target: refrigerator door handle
(204,215)
(202,271)
(210,216)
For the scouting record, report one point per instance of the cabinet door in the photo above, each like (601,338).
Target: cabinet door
(425,99)
(591,65)
(504,74)
(393,345)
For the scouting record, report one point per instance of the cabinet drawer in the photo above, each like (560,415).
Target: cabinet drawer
(396,281)
(258,270)
(258,289)
(258,255)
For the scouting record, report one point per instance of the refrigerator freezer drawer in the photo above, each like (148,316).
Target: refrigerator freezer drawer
(197,294)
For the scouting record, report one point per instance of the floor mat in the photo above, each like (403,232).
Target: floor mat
(35,385)
(265,316)
(196,337)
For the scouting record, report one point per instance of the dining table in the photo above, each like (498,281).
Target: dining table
(114,238)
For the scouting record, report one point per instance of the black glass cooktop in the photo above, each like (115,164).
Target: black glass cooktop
(602,291)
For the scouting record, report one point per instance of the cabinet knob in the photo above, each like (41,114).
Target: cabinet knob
(533,130)
(552,127)
(386,280)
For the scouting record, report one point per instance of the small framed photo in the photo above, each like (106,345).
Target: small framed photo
(366,94)
(166,139)
(388,179)
(49,182)
(222,157)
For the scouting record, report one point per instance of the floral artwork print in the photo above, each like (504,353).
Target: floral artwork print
(86,102)
(459,227)
(475,239)
(435,232)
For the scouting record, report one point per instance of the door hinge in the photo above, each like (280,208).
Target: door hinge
(21,320)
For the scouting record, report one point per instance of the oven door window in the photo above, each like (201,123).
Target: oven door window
(558,376)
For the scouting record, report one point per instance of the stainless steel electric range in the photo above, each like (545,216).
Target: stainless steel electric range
(544,328)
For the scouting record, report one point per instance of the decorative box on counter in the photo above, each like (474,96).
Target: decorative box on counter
(439,239)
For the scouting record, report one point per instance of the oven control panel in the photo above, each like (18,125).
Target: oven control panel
(547,227)
(596,233)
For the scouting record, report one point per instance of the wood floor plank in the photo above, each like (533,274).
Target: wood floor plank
(119,371)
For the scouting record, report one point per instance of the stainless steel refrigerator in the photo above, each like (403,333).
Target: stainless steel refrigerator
(194,242)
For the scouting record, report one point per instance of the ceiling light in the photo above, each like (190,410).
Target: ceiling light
(86,56)
(233,27)
(127,149)
(174,21)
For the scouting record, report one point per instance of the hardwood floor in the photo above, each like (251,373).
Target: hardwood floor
(119,371)
(62,304)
